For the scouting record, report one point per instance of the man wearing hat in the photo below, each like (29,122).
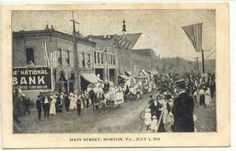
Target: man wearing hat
(183,109)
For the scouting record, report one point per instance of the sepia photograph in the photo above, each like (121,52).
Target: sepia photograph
(103,76)
(151,72)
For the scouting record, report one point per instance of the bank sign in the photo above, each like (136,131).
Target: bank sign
(38,78)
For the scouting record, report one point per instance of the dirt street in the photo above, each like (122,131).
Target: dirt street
(127,118)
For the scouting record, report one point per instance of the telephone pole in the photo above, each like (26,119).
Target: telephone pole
(203,64)
(197,63)
(76,61)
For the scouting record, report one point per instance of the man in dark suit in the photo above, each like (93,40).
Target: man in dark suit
(39,106)
(67,102)
(46,106)
(183,109)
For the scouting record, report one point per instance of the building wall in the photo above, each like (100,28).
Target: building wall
(53,44)
(86,62)
(105,60)
(124,60)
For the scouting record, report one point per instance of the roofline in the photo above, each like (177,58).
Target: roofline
(49,32)
(113,34)
(143,49)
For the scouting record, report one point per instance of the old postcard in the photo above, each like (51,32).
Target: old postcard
(115,75)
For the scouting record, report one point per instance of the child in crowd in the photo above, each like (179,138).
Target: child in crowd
(147,118)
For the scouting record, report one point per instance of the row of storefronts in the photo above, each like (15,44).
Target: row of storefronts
(100,57)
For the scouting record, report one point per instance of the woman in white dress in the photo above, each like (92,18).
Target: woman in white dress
(53,104)
(73,100)
(207,96)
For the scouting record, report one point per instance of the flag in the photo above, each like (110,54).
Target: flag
(45,53)
(53,59)
(194,33)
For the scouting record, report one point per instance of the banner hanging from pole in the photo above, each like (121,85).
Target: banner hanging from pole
(194,33)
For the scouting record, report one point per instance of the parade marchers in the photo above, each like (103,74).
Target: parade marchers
(170,110)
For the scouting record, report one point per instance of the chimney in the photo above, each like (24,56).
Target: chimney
(46,28)
(52,28)
(124,26)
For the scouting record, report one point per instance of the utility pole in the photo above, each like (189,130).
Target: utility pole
(197,63)
(76,61)
(203,64)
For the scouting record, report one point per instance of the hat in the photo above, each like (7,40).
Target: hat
(180,83)
(147,110)
(71,94)
(154,117)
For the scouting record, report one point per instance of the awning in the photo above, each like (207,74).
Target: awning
(90,77)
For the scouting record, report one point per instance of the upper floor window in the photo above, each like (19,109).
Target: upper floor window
(83,60)
(29,56)
(114,60)
(98,55)
(68,58)
(95,57)
(60,57)
(89,60)
(102,58)
(111,59)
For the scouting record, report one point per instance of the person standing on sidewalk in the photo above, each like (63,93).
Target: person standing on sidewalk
(46,106)
(39,106)
(202,96)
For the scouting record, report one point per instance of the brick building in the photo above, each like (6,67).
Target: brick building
(29,47)
(105,57)
(117,49)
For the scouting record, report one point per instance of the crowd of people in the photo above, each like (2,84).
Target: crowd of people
(97,96)
(171,109)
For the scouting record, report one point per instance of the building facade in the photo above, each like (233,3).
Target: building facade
(53,49)
(105,57)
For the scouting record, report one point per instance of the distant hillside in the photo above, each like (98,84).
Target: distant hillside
(180,65)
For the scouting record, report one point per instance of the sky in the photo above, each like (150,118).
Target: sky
(161,29)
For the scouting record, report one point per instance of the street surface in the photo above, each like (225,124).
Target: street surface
(125,119)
